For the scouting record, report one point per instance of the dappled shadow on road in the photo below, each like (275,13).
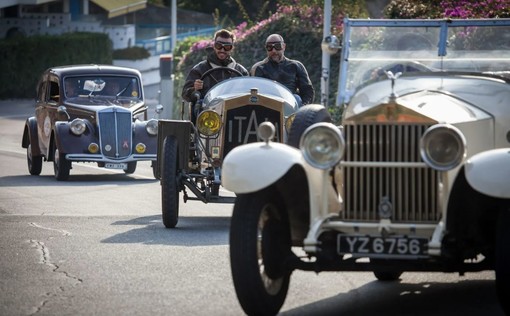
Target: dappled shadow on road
(190,231)
(466,297)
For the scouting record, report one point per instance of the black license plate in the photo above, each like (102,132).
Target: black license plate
(387,247)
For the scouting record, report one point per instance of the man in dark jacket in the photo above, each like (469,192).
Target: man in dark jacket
(220,56)
(289,72)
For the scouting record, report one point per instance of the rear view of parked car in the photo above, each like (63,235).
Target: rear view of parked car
(89,113)
(414,179)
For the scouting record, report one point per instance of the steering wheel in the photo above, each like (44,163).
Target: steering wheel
(209,72)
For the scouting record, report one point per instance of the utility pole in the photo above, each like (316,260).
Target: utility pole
(166,96)
(325,55)
(329,46)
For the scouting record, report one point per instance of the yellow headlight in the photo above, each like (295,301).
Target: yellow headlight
(93,148)
(140,148)
(209,123)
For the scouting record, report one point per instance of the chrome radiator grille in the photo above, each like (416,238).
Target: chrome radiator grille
(375,170)
(115,133)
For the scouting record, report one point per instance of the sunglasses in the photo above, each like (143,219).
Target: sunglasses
(277,46)
(226,46)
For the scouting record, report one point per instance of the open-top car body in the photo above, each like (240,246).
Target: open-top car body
(89,113)
(414,179)
(191,150)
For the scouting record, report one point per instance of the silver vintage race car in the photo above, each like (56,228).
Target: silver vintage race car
(191,150)
(414,179)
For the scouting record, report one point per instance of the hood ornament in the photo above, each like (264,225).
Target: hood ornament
(393,77)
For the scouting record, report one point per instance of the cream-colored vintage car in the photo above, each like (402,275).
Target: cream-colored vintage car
(414,179)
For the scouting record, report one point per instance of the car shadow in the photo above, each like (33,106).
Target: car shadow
(466,297)
(190,231)
(74,180)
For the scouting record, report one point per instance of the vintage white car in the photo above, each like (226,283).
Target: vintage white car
(416,178)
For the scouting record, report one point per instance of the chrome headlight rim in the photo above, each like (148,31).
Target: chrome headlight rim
(209,123)
(78,126)
(322,145)
(440,159)
(152,127)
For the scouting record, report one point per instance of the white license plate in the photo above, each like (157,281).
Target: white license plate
(370,246)
(110,165)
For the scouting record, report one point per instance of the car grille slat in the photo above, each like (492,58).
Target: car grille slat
(115,133)
(412,191)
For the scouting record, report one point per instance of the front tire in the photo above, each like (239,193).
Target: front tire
(305,117)
(61,166)
(131,167)
(169,183)
(503,259)
(259,245)
(34,162)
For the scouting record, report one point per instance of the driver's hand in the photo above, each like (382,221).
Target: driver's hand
(198,84)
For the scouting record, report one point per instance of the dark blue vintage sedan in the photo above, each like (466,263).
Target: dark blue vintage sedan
(89,113)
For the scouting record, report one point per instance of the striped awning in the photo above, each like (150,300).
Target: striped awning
(120,7)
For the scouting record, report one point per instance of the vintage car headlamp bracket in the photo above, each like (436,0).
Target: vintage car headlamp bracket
(78,127)
(322,145)
(443,147)
(209,123)
(152,127)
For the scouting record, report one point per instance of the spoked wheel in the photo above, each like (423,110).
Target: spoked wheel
(131,167)
(259,244)
(305,117)
(61,166)
(169,183)
(503,259)
(34,162)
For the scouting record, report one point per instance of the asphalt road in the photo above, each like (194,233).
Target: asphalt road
(95,245)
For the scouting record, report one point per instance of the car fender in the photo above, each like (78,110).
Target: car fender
(251,167)
(30,133)
(67,142)
(488,172)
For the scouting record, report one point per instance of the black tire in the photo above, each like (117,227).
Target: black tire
(131,167)
(169,183)
(34,162)
(154,167)
(61,166)
(259,244)
(387,276)
(305,117)
(503,259)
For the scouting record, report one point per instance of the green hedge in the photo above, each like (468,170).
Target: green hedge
(23,59)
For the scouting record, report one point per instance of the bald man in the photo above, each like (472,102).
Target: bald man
(289,72)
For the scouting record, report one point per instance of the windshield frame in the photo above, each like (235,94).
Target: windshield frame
(451,46)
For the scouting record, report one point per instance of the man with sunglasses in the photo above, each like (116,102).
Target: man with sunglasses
(219,56)
(289,72)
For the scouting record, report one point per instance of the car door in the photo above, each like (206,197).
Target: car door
(48,99)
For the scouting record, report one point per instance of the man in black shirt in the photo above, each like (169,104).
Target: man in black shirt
(289,72)
(220,56)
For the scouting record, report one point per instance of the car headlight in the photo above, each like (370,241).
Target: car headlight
(152,127)
(78,127)
(209,123)
(443,147)
(322,145)
(289,121)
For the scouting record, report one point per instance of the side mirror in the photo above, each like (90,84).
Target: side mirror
(330,44)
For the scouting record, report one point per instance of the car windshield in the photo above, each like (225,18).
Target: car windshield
(243,85)
(116,87)
(372,47)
